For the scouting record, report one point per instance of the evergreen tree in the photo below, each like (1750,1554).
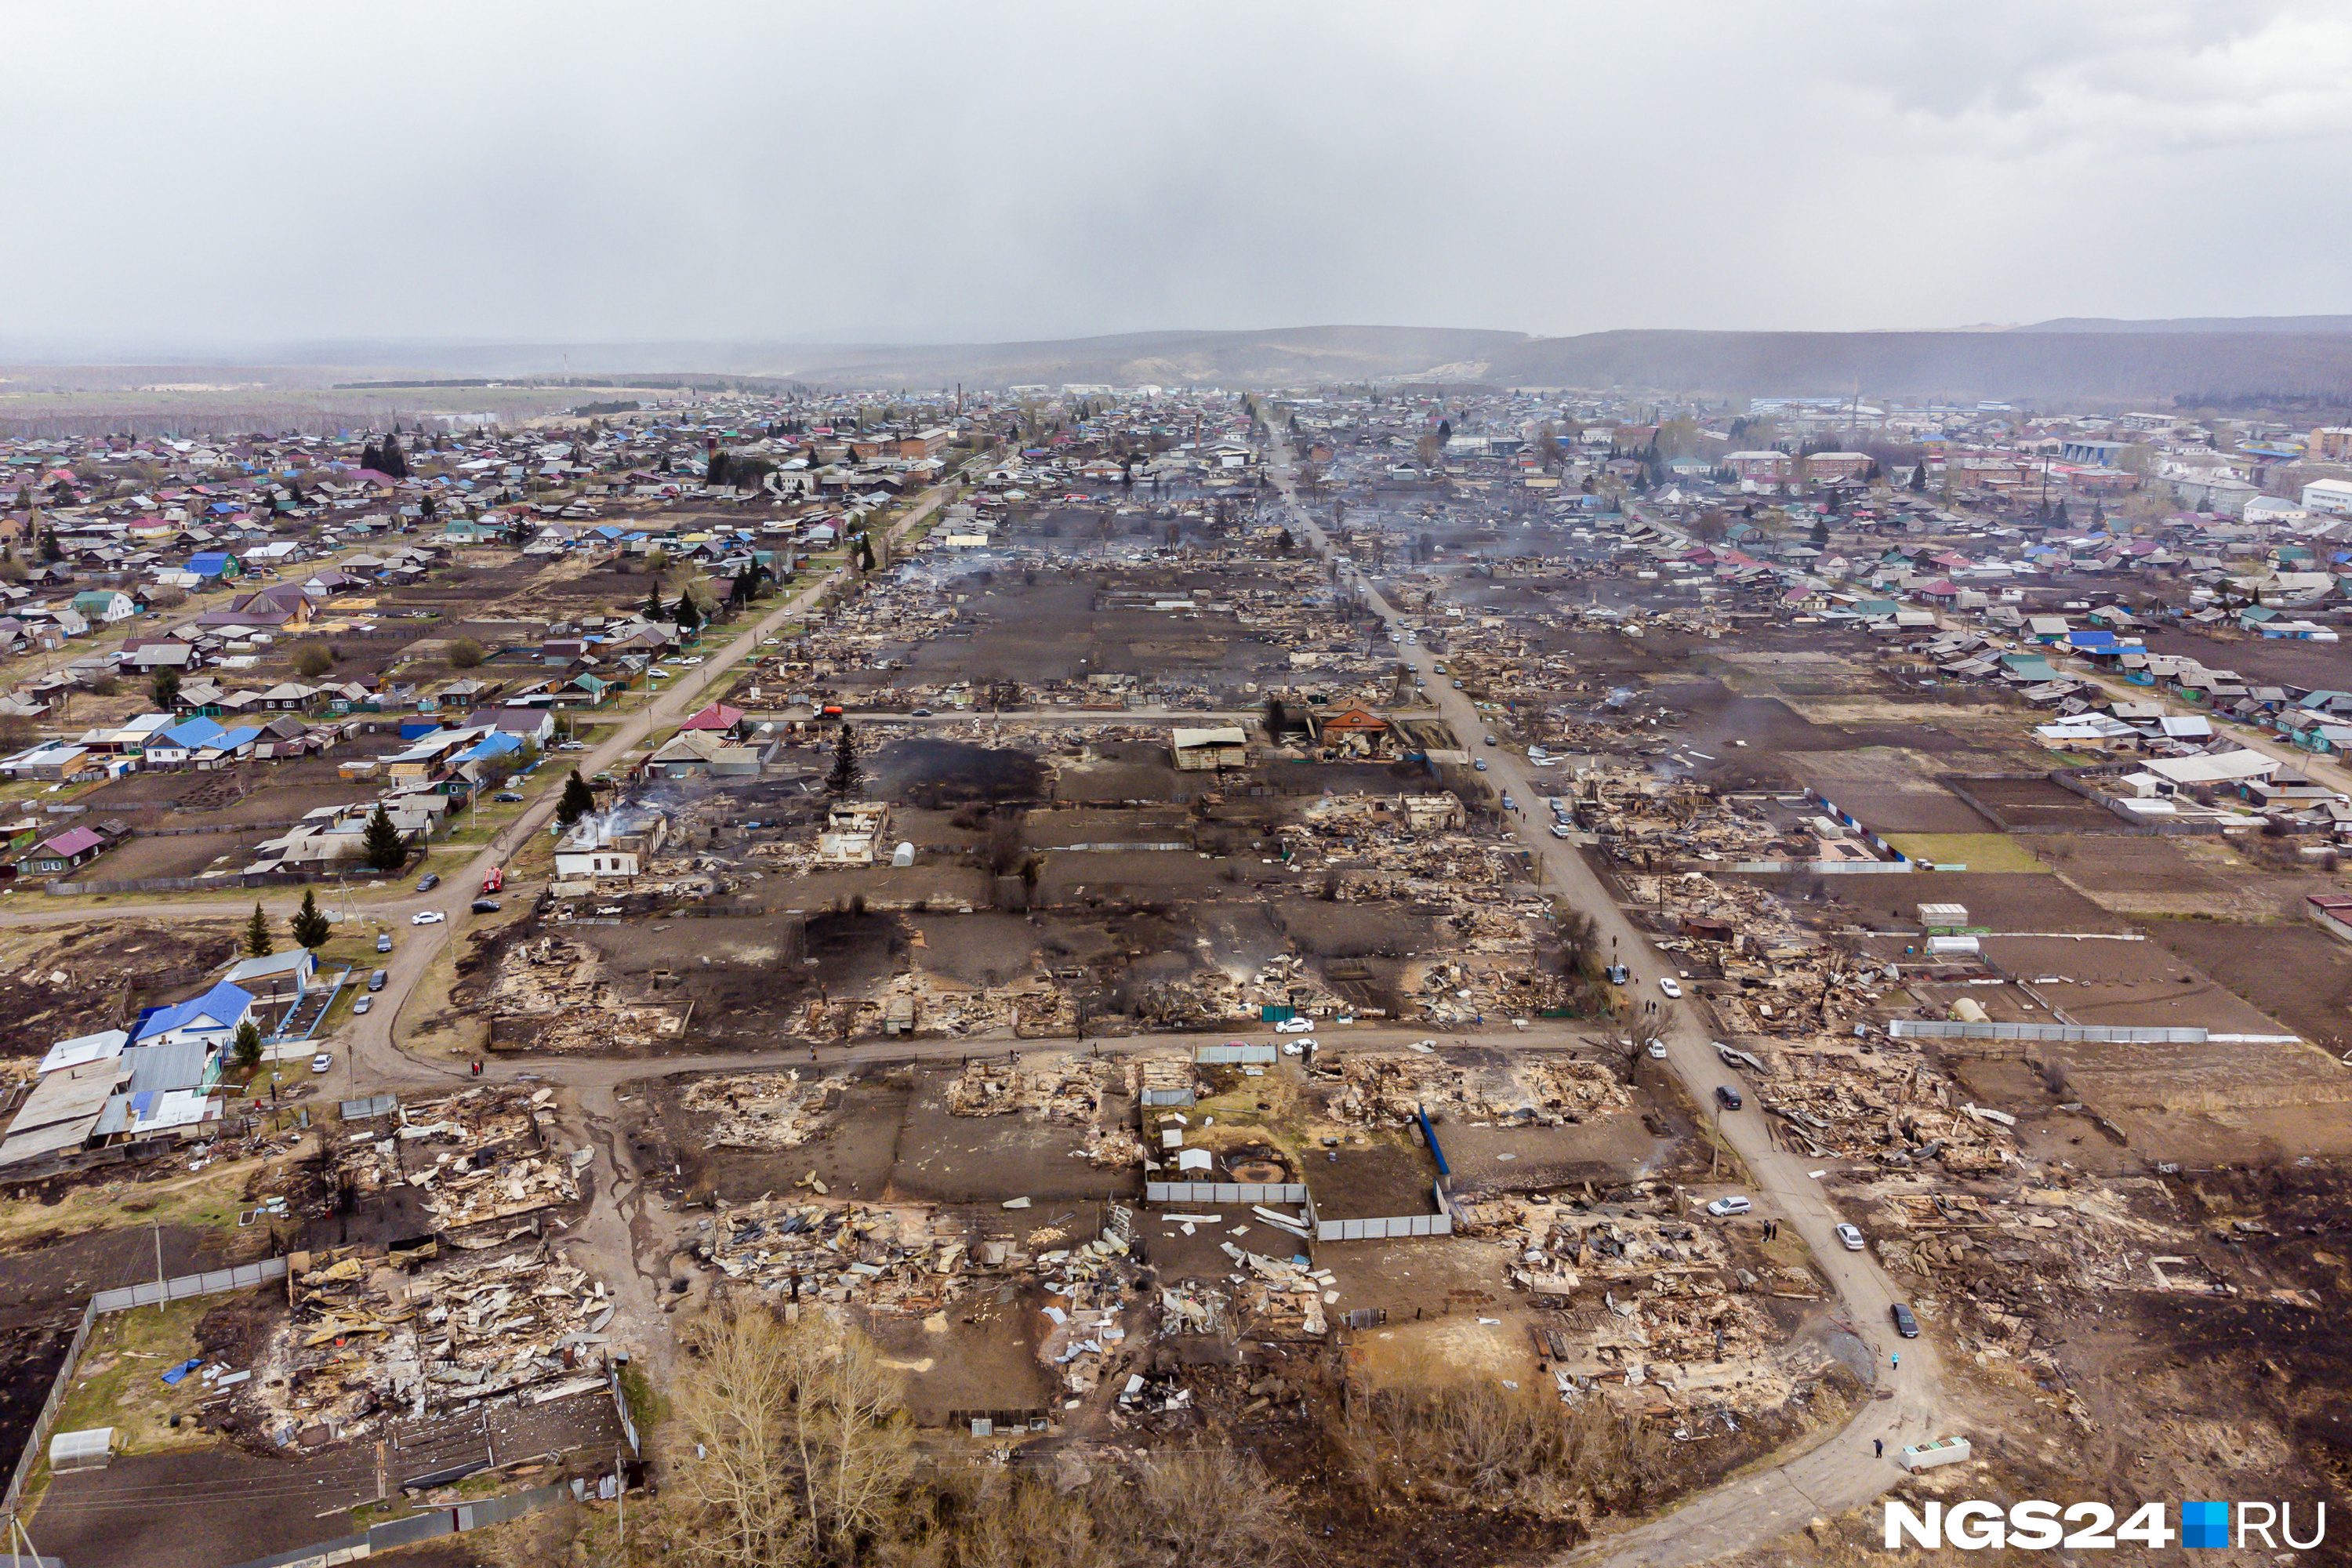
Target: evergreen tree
(246,1047)
(381,841)
(1286,544)
(309,923)
(372,458)
(2058,514)
(846,774)
(715,474)
(864,554)
(257,935)
(578,800)
(687,617)
(51,551)
(653,610)
(167,689)
(1920,476)
(1821,533)
(395,462)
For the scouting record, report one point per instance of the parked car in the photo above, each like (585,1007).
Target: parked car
(1904,1323)
(1724,1208)
(1558,831)
(427,918)
(1728,1097)
(1658,1050)
(1457,686)
(321,1062)
(376,977)
(1490,740)
(1667,983)
(383,942)
(1480,763)
(1617,973)
(1293,1027)
(1849,1237)
(363,1005)
(507,797)
(430,880)
(487,906)
(922,712)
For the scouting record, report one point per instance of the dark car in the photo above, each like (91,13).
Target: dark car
(507,797)
(375,980)
(487,906)
(1728,1097)
(430,880)
(1904,1323)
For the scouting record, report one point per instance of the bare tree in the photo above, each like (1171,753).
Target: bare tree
(801,1448)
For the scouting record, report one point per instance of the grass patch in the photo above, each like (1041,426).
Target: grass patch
(206,1197)
(647,1408)
(120,1382)
(1977,851)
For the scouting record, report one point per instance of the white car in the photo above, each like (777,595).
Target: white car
(1667,984)
(1849,1237)
(1558,831)
(695,660)
(427,918)
(1293,1027)
(1658,1050)
(1724,1208)
(1291,1048)
(321,1062)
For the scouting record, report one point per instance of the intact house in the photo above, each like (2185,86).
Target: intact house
(277,977)
(703,754)
(64,851)
(211,1019)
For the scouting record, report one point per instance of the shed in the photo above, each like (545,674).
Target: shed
(1219,746)
(1944,917)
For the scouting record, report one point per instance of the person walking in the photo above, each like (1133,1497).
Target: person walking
(1878,1448)
(1898,1360)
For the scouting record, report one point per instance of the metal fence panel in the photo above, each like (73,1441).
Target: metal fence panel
(1224,1191)
(2110,1034)
(416,1527)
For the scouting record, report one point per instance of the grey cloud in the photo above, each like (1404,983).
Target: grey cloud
(234,175)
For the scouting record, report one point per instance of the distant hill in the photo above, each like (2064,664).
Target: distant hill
(1961,366)
(2034,365)
(2266,357)
(2193,325)
(1292,355)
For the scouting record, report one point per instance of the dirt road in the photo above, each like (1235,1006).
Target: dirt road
(1838,1473)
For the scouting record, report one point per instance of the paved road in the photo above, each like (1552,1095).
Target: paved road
(1044,715)
(1840,1473)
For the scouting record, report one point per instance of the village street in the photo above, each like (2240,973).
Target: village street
(1840,1472)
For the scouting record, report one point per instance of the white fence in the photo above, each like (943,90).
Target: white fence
(1224,1191)
(150,1292)
(2112,1034)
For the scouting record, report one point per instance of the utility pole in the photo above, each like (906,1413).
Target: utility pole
(159,1267)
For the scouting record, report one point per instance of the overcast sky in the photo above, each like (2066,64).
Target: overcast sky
(232,174)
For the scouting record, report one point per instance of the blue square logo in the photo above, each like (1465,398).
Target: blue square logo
(2205,1524)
